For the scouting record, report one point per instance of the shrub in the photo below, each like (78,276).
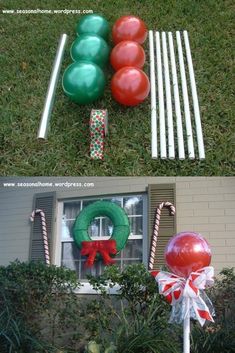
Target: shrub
(143,313)
(40,313)
(218,337)
(136,319)
(34,299)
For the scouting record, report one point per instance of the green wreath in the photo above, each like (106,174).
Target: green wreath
(121,227)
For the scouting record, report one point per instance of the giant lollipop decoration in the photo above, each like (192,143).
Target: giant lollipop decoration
(187,252)
(188,255)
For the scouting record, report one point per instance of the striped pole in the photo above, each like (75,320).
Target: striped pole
(156,230)
(44,233)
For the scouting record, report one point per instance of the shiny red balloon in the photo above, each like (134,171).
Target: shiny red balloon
(130,86)
(127,53)
(129,28)
(187,252)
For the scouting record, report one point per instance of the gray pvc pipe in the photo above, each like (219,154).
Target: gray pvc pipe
(49,101)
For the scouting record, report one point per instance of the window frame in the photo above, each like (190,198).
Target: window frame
(86,288)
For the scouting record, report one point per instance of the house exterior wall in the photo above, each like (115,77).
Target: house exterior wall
(203,204)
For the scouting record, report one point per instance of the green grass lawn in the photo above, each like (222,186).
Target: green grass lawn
(27,49)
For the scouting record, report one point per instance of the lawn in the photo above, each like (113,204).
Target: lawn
(27,49)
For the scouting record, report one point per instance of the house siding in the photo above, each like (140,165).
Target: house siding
(207,206)
(203,204)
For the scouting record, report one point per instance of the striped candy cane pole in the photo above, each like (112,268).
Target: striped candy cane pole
(44,233)
(156,230)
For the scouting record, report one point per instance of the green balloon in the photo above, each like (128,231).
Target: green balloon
(93,24)
(83,82)
(90,48)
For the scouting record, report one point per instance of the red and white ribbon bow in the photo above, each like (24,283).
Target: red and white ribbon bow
(176,289)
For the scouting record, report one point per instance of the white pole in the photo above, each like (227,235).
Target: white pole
(153,97)
(187,326)
(161,98)
(49,101)
(201,149)
(180,136)
(171,144)
(185,99)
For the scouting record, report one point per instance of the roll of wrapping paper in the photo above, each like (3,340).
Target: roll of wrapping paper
(98,130)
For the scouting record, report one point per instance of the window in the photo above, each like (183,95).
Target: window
(101,228)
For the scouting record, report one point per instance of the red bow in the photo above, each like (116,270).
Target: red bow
(103,247)
(176,289)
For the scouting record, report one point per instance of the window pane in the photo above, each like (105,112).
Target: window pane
(67,229)
(70,251)
(94,228)
(133,205)
(66,232)
(95,270)
(130,262)
(72,265)
(107,227)
(72,209)
(117,200)
(133,249)
(87,202)
(136,226)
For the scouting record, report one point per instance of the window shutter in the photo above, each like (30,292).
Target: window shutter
(47,203)
(167,228)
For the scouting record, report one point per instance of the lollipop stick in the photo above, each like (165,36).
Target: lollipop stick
(171,144)
(161,98)
(201,148)
(185,98)
(49,101)
(187,327)
(178,114)
(153,96)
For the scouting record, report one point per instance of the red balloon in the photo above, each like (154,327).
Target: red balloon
(129,28)
(130,86)
(187,252)
(127,53)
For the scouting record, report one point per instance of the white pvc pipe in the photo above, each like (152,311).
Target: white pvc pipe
(171,144)
(200,141)
(187,327)
(161,98)
(185,99)
(180,136)
(49,101)
(153,97)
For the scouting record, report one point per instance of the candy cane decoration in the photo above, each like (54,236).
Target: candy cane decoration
(156,230)
(44,233)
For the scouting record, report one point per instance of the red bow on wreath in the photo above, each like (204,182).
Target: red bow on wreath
(103,247)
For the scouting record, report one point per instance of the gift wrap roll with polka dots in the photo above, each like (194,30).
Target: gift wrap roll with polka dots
(98,130)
